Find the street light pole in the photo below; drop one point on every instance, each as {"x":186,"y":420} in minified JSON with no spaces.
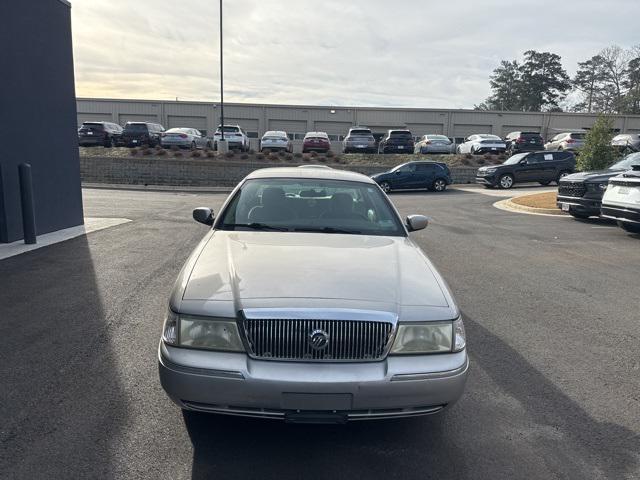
{"x":221,"y":81}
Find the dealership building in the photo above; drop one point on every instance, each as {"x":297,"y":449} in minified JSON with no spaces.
{"x":296,"y":120}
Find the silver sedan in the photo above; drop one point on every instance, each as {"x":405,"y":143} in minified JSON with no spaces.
{"x":308,"y":301}
{"x":184,"y":138}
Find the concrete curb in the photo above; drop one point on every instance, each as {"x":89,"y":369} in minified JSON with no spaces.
{"x":510,"y":206}
{"x":157,"y":188}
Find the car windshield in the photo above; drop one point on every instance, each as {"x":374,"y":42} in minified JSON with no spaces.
{"x":515,"y":159}
{"x":136,"y":127}
{"x":311,"y":205}
{"x":360,"y":132}
{"x":627,"y":162}
{"x":400,"y":133}
{"x":437,"y":137}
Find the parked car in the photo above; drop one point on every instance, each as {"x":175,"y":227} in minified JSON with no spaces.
{"x":106,"y":134}
{"x":184,"y":138}
{"x":621,"y":200}
{"x":627,"y":141}
{"x":359,"y":140}
{"x":570,"y":141}
{"x":235,"y":136}
{"x":307,"y":301}
{"x":541,"y":167}
{"x":316,"y":142}
{"x":518,"y":142}
{"x":142,"y":133}
{"x":433,"y":144}
{"x":396,"y":141}
{"x":580,"y":194}
{"x":433,"y":176}
{"x":276,"y":140}
{"x":482,"y":143}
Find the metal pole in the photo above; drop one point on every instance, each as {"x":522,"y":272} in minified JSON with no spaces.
{"x":26,"y":199}
{"x":221,"y":81}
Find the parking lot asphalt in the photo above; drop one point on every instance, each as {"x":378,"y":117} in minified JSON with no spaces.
{"x":551,"y":308}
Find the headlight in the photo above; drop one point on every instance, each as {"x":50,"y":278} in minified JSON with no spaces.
{"x":596,"y":187}
{"x":209,"y":333}
{"x":431,"y":337}
{"x":490,"y":170}
{"x":603,"y":186}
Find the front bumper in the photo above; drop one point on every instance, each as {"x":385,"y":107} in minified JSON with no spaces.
{"x":398,"y":149}
{"x":90,"y":141}
{"x":234,"y":384}
{"x":491,"y":180}
{"x":581,"y":205}
{"x":623,"y":214}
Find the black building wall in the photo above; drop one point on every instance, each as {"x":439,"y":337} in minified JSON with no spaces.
{"x":38,"y":115}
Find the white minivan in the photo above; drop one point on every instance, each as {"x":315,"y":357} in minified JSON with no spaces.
{"x":621,"y":200}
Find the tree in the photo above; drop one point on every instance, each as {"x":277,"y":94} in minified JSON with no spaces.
{"x":632,"y":84}
{"x":589,"y":80}
{"x":597,"y":153}
{"x":543,"y":81}
{"x":506,"y":86}
{"x":615,"y":62}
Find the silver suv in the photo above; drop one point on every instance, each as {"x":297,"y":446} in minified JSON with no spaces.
{"x":569,"y":141}
{"x":359,"y":140}
{"x":308,"y":301}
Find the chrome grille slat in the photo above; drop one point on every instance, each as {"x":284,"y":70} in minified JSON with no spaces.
{"x":289,"y":339}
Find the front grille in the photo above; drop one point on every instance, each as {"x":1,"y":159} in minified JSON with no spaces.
{"x":572,"y":189}
{"x":317,"y":340}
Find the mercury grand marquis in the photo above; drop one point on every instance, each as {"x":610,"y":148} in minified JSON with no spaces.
{"x":308,"y":301}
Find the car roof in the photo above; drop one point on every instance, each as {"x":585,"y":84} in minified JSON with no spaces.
{"x":319,"y":173}
{"x":316,"y":134}
{"x":275,"y":132}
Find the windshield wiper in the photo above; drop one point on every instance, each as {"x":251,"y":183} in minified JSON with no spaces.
{"x":327,"y":230}
{"x":257,"y":226}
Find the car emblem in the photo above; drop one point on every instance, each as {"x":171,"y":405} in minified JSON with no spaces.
{"x":318,"y":340}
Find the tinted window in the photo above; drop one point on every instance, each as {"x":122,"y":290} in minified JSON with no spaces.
{"x":425,"y":167}
{"x":400,"y":133}
{"x":136,"y":127}
{"x":577,"y":136}
{"x":360,"y":132}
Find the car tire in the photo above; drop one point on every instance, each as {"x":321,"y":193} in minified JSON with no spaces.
{"x":193,"y":146}
{"x":439,"y":185}
{"x":109,"y":143}
{"x":490,"y":187}
{"x":386,"y":187}
{"x":506,"y":181}
{"x":209,"y":145}
{"x":629,"y":227}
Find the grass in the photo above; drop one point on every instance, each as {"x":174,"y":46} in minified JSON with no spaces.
{"x":538,"y":200}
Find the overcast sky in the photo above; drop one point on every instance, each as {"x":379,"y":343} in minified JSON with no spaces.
{"x":415,"y":53}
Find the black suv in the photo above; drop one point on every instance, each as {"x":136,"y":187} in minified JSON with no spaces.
{"x":541,"y":167}
{"x":518,"y":142}
{"x":581,"y":194}
{"x":106,"y":134}
{"x":142,"y":133}
{"x":396,"y":141}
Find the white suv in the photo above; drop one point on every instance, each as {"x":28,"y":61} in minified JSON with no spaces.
{"x":621,"y":200}
{"x":235,"y":136}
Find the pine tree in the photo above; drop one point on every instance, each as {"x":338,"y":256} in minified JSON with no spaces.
{"x":597,"y":153}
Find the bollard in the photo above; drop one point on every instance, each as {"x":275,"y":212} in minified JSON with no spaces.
{"x":26,"y":199}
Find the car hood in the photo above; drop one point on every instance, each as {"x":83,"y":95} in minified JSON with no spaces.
{"x":593,"y":176}
{"x":241,"y":267}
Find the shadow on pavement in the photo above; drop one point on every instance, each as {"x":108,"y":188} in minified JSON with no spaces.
{"x":60,"y":396}
{"x":579,"y":443}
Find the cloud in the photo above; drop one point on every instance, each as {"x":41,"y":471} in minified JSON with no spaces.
{"x":363,"y":52}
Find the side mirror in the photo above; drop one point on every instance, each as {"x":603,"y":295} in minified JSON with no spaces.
{"x":524,"y":161}
{"x":417,"y":222}
{"x":203,"y":215}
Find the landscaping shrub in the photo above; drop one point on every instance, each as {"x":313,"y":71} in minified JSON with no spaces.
{"x":147,"y":151}
{"x":466,"y":161}
{"x":177,"y":153}
{"x":162,"y":152}
{"x":468,"y":155}
{"x":322,"y":159}
{"x":314,"y":154}
{"x":330,"y":154}
{"x":196,"y":153}
{"x":281,"y":153}
{"x":133,"y":152}
{"x":230,"y":154}
{"x":306,"y":157}
{"x":273,"y":157}
{"x":297,"y":155}
{"x":481,"y":161}
{"x":597,"y":153}
{"x":260,"y":156}
{"x":211,"y":153}
{"x":175,"y":148}
{"x":487,"y":156}
{"x":244,"y":156}
{"x":289,"y":157}
{"x":252,"y":151}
